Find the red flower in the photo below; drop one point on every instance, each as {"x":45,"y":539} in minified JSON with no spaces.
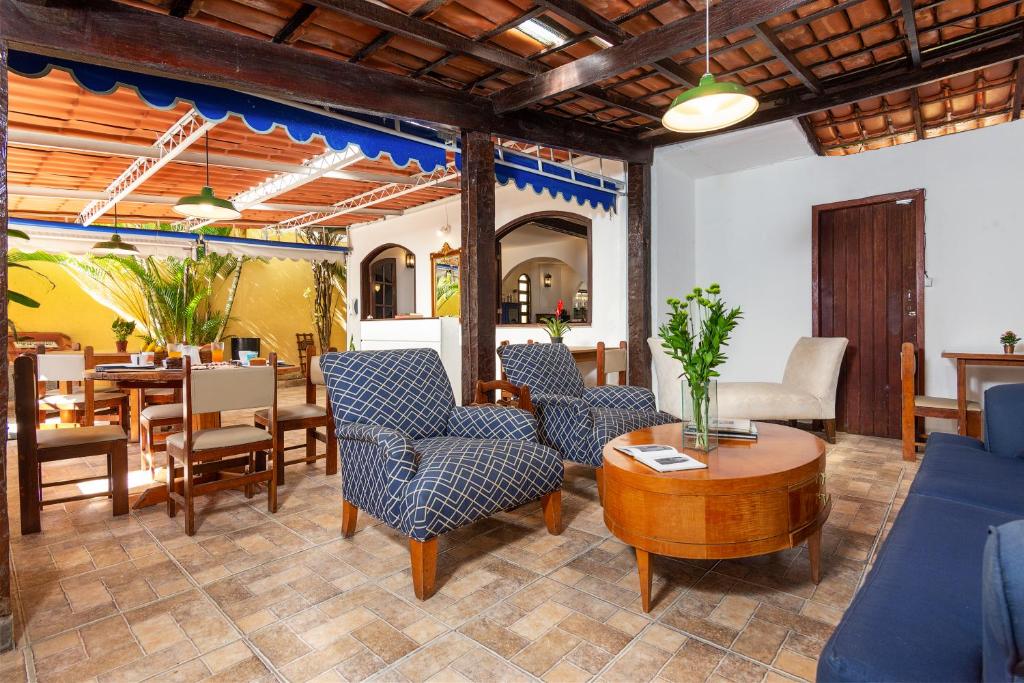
{"x":559,"y":309}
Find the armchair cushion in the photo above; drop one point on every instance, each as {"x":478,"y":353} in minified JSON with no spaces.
{"x":378,"y":462}
{"x":612,"y":422}
{"x":545,"y":368}
{"x":492,"y":422}
{"x":768,"y":401}
{"x":616,"y":396}
{"x":405,"y":389}
{"x":462,"y":480}
{"x":1004,"y":419}
{"x":1002,"y":603}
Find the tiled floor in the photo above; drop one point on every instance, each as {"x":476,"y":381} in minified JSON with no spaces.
{"x":255,"y":596}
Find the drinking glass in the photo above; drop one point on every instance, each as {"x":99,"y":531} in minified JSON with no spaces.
{"x":217,"y":352}
{"x":174,"y":350}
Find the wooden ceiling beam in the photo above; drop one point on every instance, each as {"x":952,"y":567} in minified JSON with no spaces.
{"x":910,"y":28}
{"x":846,"y":91}
{"x":424,"y":10}
{"x":581,"y":15}
{"x":1018,"y":91}
{"x":915,"y":105}
{"x":294,"y":23}
{"x":728,"y":17}
{"x":792,"y":63}
{"x":113,"y":34}
{"x":487,"y":35}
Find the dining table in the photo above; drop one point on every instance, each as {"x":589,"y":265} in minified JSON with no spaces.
{"x":963,"y":360}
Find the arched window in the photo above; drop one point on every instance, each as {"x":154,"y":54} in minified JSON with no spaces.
{"x":523,"y":294}
{"x":388,"y":282}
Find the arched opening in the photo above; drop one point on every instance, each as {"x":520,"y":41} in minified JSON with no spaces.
{"x":552,"y":249}
{"x":388,"y":283}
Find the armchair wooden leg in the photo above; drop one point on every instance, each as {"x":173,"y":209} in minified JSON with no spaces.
{"x":830,"y":430}
{"x":599,"y":475}
{"x":552,"y":504}
{"x":349,"y":514}
{"x":423,"y":556}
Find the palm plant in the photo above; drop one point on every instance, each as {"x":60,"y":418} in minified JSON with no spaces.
{"x":327,"y":278}
{"x":12,"y":295}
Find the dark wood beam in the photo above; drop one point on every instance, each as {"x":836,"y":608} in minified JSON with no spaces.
{"x":792,"y":63}
{"x":1018,"y":91}
{"x":180,"y":8}
{"x":426,"y":9}
{"x":477,"y":265}
{"x":846,"y":90}
{"x":728,"y":17}
{"x":483,"y":37}
{"x":910,"y":28}
{"x":581,"y":15}
{"x":411,"y":27}
{"x":915,"y":105}
{"x":638,"y":272}
{"x":117,"y":35}
{"x":294,"y":23}
{"x":6,"y":613}
{"x":812,"y":137}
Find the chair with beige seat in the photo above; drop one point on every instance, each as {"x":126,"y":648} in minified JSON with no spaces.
{"x":915,"y":406}
{"x":67,"y":369}
{"x":309,"y":416}
{"x":207,"y":451}
{"x":38,"y":446}
{"x":807,"y":390}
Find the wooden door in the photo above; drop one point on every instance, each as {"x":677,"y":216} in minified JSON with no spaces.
{"x":868,"y":284}
{"x":382,"y":274}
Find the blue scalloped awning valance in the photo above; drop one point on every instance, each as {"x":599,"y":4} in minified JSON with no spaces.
{"x":402,"y":142}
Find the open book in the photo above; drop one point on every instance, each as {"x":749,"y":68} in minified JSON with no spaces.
{"x":662,"y":458}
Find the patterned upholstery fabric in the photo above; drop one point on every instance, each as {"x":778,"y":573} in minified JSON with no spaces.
{"x":414,"y":460}
{"x":577,"y":421}
{"x":462,"y":480}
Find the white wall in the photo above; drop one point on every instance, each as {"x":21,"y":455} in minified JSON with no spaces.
{"x":405,"y":282}
{"x":753,"y":235}
{"x":673,"y":231}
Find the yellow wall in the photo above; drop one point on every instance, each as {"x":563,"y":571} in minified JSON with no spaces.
{"x":271,"y":304}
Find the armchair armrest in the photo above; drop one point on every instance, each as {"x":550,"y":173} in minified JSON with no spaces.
{"x":378,"y":462}
{"x":492,"y":422}
{"x":620,"y":396}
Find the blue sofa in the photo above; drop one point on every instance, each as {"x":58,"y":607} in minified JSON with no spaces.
{"x":918,"y":616}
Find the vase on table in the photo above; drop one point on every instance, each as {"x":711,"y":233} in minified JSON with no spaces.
{"x":1009,"y":348}
{"x":700,"y":412}
{"x":556,"y":340}
{"x":121,"y":345}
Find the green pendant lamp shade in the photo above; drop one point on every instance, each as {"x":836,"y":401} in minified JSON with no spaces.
{"x":206,"y":205}
{"x":115,"y":246}
{"x":711,"y":105}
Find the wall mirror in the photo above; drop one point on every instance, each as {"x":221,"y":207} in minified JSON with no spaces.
{"x":444,"y":283}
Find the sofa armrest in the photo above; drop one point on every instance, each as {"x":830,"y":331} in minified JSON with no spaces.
{"x":378,"y":462}
{"x":492,"y":422}
{"x":620,"y":396}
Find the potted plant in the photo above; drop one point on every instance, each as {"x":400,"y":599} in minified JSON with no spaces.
{"x":122,"y":330}
{"x":555,"y":326}
{"x":1009,"y":340}
{"x":695,"y":333}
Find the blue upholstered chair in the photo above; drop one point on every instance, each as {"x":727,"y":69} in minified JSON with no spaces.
{"x":424,"y":466}
{"x":574,"y":419}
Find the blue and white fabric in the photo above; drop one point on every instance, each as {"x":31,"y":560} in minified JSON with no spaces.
{"x":415,"y":460}
{"x":576,"y":420}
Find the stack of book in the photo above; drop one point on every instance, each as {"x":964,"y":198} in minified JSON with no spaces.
{"x":729,"y":428}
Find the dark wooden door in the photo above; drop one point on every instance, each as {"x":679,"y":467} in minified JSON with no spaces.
{"x":382,"y":274}
{"x":868,"y":279}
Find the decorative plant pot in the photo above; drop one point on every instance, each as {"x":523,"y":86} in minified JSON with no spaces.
{"x":1008,"y":348}
{"x":122,"y":346}
{"x":556,"y":340}
{"x":700,"y":411}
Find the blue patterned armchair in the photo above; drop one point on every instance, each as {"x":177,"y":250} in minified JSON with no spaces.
{"x":574,"y":419}
{"x":424,"y":466}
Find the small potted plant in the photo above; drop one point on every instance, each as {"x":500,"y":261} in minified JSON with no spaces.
{"x":1009,"y":340}
{"x":556,"y":326}
{"x":122,"y":330}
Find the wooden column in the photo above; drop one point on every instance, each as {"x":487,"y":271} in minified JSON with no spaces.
{"x":6,"y":618}
{"x":478,"y":269}
{"x":638,"y":284}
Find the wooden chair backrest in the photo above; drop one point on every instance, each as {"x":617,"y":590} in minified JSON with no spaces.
{"x":611,"y":361}
{"x":307,"y":347}
{"x":26,"y":412}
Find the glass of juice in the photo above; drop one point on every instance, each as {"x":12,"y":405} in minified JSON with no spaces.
{"x":174,"y":350}
{"x":217,"y":352}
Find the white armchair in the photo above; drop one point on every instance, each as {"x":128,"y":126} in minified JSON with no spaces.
{"x":807,"y":390}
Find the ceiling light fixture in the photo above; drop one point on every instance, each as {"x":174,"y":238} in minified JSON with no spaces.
{"x":544,"y":32}
{"x":115,"y":246}
{"x":711,"y":105}
{"x":206,"y":204}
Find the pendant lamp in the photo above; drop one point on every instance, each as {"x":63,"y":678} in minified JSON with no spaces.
{"x":206,"y":204}
{"x":711,"y":105}
{"x":115,"y":246}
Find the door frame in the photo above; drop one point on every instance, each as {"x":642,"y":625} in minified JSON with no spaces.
{"x":917,"y":197}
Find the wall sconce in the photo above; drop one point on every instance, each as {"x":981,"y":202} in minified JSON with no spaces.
{"x":376,"y":286}
{"x":547,"y":279}
{"x":410,"y":259}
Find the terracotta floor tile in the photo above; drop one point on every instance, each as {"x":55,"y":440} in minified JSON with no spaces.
{"x":545,"y":651}
{"x":694,"y":661}
{"x":641,"y":662}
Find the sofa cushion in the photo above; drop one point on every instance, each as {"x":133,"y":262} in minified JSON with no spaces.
{"x":1002,"y":603}
{"x":1004,"y":419}
{"x":918,"y":615}
{"x":766,"y":401}
{"x":945,"y":438}
{"x":973,"y":476}
{"x":545,"y":368}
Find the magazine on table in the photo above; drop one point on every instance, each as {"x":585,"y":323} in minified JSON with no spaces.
{"x":662,"y":458}
{"x":729,"y":428}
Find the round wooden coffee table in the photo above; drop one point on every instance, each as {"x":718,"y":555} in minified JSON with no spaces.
{"x":755,"y":497}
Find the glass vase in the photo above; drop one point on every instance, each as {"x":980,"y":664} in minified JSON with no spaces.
{"x":700,"y":413}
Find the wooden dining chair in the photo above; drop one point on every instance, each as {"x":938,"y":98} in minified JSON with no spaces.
{"x":309,"y":416}
{"x":206,"y":451}
{"x":67,"y":370}
{"x":37,"y":446}
{"x":611,"y":361}
{"x":156,"y":423}
{"x":916,"y":407}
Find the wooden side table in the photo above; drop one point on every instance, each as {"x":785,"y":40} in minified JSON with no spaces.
{"x":755,"y":497}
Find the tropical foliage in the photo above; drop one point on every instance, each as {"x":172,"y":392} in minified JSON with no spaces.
{"x":555,"y":326}
{"x":12,"y":295}
{"x":122,"y":328}
{"x":328,"y":278}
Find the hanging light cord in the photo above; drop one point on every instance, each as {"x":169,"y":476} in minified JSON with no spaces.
{"x":206,"y":137}
{"x":707,"y":37}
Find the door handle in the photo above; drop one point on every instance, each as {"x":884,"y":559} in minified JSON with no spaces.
{"x":911,"y":314}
